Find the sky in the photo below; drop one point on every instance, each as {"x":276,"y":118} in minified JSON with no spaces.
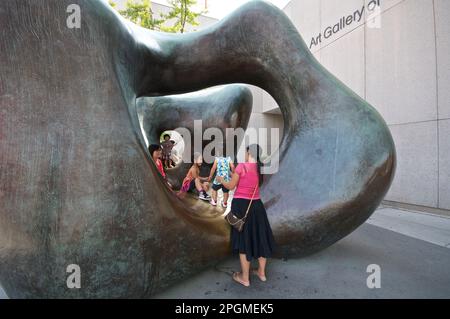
{"x":220,"y":8}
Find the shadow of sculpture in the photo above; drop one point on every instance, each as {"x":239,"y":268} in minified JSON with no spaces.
{"x":77,"y":185}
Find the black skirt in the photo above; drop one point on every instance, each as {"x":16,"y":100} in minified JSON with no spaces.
{"x":256,"y":239}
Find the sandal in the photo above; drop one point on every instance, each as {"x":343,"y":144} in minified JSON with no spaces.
{"x":239,"y":280}
{"x":255,"y":272}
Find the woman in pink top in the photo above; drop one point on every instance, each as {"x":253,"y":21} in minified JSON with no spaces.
{"x":256,"y":239}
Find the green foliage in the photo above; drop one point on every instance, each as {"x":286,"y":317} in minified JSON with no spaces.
{"x":183,"y":15}
{"x":140,"y":12}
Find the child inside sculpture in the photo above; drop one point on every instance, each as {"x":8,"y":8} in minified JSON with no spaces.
{"x":167,"y":146}
{"x":155,"y":152}
{"x":256,"y":240}
{"x":223,"y":167}
{"x":193,"y":180}
{"x":174,"y":157}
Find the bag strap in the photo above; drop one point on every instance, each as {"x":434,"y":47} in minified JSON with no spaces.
{"x":250,"y":204}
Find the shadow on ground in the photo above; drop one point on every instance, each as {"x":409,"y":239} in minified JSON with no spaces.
{"x":410,"y":268}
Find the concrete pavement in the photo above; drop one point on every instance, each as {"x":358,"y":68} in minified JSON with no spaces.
{"x":2,"y":293}
{"x":410,"y":247}
{"x":410,"y":268}
{"x":432,"y":228}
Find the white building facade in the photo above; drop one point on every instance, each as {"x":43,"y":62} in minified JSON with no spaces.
{"x":396,"y":55}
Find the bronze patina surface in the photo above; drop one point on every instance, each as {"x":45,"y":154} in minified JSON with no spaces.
{"x":77,"y":185}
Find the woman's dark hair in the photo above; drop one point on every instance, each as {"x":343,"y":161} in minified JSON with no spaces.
{"x":153,"y":148}
{"x":255,"y":151}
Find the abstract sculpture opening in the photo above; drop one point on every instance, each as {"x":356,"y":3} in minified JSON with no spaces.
{"x":77,"y":185}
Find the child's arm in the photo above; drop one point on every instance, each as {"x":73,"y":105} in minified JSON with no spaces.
{"x":232,"y":167}
{"x":232,"y":183}
{"x":202,"y":179}
{"x":213,"y":169}
{"x":196,"y":174}
{"x":193,"y":172}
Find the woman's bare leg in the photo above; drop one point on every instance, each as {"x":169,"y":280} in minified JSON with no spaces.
{"x":262,"y":266}
{"x":245,"y":266}
{"x":214,"y":195}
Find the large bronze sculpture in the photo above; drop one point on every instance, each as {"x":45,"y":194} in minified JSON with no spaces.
{"x":77,"y":185}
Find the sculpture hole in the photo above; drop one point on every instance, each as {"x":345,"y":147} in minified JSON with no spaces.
{"x":178,"y":145}
{"x":247,"y":109}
